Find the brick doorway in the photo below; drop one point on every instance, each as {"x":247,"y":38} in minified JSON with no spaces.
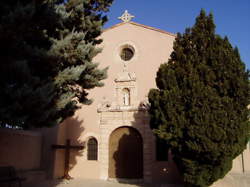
{"x":125,"y":154}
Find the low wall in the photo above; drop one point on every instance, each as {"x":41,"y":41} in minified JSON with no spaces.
{"x":21,"y":149}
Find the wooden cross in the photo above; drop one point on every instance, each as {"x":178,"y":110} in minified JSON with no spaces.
{"x":67,"y":148}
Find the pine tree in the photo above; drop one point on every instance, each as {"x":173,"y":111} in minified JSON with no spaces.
{"x":46,"y":51}
{"x":200,"y":106}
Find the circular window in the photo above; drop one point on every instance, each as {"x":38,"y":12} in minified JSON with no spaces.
{"x":127,"y":53}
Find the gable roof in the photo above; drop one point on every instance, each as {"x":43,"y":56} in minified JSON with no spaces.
{"x":140,"y":25}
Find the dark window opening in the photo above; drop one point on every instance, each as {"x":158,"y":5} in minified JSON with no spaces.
{"x":92,"y":149}
{"x":127,"y":54}
{"x":162,"y":149}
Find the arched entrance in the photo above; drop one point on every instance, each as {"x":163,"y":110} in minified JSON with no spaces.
{"x":125,"y":154}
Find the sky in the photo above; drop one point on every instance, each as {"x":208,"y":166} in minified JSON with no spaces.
{"x":232,"y":17}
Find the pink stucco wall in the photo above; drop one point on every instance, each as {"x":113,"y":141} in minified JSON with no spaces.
{"x":21,"y":149}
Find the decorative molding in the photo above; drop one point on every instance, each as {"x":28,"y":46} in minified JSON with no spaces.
{"x":126,"y":76}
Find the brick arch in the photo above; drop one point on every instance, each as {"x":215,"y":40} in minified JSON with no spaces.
{"x":125,"y":153}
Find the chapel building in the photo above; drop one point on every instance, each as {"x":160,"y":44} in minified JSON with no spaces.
{"x":118,"y":142}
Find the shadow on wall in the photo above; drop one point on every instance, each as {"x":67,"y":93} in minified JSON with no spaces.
{"x":32,"y":155}
{"x":126,"y":146}
{"x":73,"y":131}
{"x":53,"y":159}
{"x":76,"y":127}
{"x":163,"y":169}
{"x":126,"y":150}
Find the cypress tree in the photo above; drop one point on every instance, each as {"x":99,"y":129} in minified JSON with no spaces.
{"x":46,"y":51}
{"x":200,"y":106}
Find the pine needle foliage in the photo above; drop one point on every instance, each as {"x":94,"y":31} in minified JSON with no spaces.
{"x":200,"y":106}
{"x":46,"y":52}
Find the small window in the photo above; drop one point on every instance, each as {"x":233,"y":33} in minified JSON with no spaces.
{"x":126,"y":97}
{"x":162,"y":149}
{"x":92,"y":149}
{"x":127,"y":53}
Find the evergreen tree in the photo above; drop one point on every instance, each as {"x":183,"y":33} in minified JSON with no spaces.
{"x":46,"y":51}
{"x":200,"y":106}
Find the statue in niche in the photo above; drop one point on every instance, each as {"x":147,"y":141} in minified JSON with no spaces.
{"x":126,"y":97}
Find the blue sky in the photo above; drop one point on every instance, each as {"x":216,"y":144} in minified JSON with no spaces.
{"x":232,"y":17}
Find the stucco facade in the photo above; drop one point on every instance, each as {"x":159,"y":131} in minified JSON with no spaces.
{"x":122,"y":103}
{"x":151,"y":47}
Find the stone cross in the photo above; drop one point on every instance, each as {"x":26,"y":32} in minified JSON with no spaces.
{"x":67,"y":148}
{"x":126,"y":17}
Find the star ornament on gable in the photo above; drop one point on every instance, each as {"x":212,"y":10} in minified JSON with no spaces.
{"x":126,"y":17}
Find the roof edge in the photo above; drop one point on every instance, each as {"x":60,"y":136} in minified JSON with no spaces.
{"x":141,"y":25}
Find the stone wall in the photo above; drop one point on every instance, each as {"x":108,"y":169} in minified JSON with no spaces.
{"x":21,"y":149}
